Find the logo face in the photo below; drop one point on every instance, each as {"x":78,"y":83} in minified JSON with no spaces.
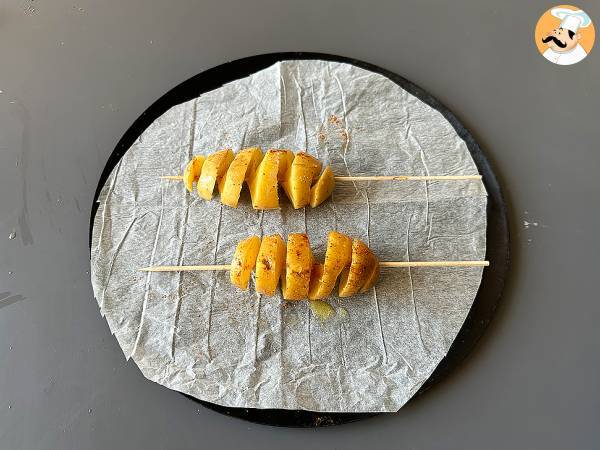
{"x":565,"y":35}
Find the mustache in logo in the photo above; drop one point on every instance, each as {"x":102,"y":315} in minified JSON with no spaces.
{"x":556,"y":41}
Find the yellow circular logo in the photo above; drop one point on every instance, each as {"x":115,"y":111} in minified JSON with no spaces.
{"x":565,"y":35}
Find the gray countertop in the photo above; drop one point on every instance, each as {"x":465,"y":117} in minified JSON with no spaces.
{"x":74,"y":77}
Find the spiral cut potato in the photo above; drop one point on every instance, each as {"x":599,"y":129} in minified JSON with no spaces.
{"x":301,"y":277}
{"x":299,"y":175}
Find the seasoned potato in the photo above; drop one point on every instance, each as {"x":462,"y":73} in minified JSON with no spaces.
{"x":371,"y":279}
{"x":361,"y":268}
{"x":304,"y":171}
{"x":192,"y":171}
{"x":241,"y":169}
{"x":337,"y":257}
{"x":244,"y":260}
{"x":270,"y":264}
{"x":213,"y":169}
{"x":315,"y":280}
{"x":263,"y":184}
{"x":298,"y":264}
{"x":322,"y":188}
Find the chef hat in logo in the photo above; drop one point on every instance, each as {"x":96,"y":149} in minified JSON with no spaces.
{"x":571,"y":20}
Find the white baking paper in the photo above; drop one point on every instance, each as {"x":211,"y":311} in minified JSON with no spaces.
{"x":195,"y":333}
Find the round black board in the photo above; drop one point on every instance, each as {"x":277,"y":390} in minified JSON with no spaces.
{"x":497,"y":251}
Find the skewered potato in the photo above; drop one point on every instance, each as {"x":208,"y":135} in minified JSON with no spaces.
{"x":304,"y":171}
{"x":315,"y":279}
{"x":299,"y":260}
{"x":270,"y":263}
{"x":371,"y":279}
{"x":192,"y":171}
{"x":263,"y":184}
{"x":358,"y":266}
{"x":323,"y":188}
{"x":298,"y":175}
{"x":244,"y":261}
{"x":337,"y":256}
{"x":302,"y":277}
{"x":213,"y":169}
{"x":241,"y":169}
{"x":361,"y":269}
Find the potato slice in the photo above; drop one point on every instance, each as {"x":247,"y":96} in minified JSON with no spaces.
{"x":244,"y":260}
{"x":213,"y":169}
{"x":243,"y":167}
{"x":337,"y":257}
{"x":298,"y":264}
{"x":315,"y":278}
{"x":361,"y":268}
{"x":270,"y":264}
{"x":286,"y":158}
{"x":192,"y":171}
{"x":371,"y":279}
{"x":304,"y":171}
{"x":323,"y":188}
{"x":263,"y":184}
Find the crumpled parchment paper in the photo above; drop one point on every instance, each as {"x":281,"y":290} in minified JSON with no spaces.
{"x":195,"y":333}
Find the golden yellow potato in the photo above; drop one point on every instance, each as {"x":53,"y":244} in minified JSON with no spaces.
{"x":263,"y":184}
{"x":337,"y":257}
{"x":244,"y":260}
{"x":192,"y":171}
{"x":213,"y":169}
{"x":286,"y":158}
{"x":361,"y":268}
{"x":322,"y":188}
{"x":304,"y":170}
{"x":315,"y":278}
{"x":270,"y":264}
{"x":372,"y":278}
{"x":298,"y":264}
{"x":242,"y":168}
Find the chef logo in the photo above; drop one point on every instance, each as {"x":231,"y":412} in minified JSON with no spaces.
{"x":564,"y":35}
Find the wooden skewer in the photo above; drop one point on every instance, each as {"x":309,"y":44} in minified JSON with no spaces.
{"x":184,"y":268}
{"x":410,"y":178}
{"x":390,"y":264}
{"x":380,"y":178}
{"x":434,"y":263}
